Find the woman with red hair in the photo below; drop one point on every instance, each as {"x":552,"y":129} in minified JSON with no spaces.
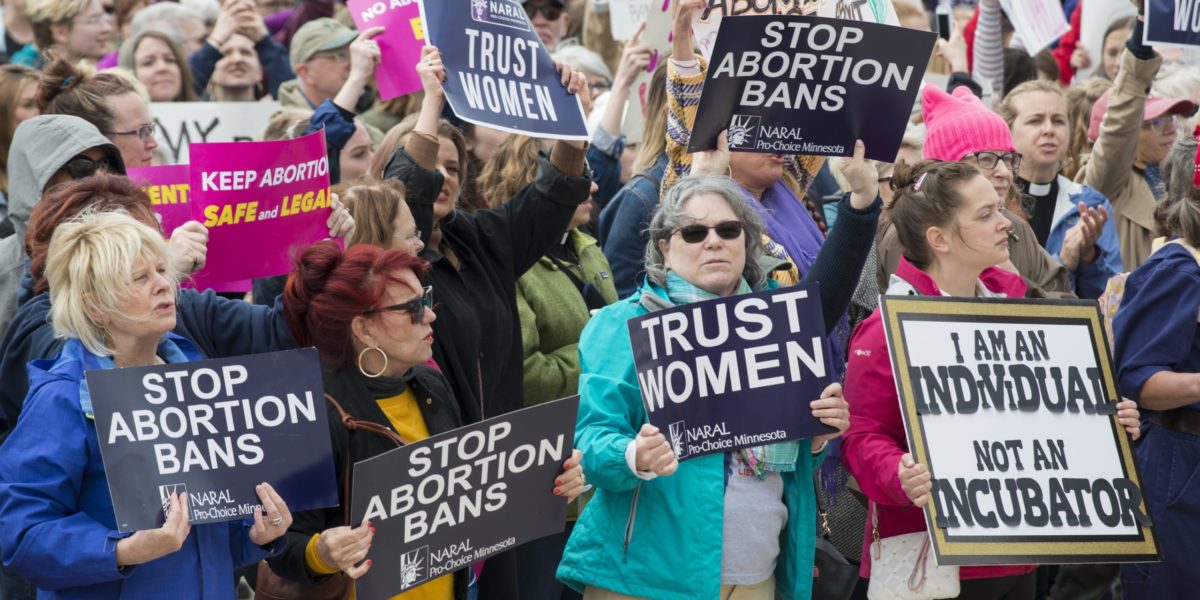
{"x":369,"y":315}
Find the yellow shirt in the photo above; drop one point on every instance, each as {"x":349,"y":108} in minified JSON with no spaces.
{"x":405,"y":417}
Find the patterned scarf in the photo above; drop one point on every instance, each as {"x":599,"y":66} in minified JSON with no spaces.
{"x":1154,"y":179}
{"x":759,"y":460}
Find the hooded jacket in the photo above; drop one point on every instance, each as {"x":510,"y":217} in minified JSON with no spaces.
{"x":872,"y":447}
{"x":40,"y":147}
{"x":1089,"y":279}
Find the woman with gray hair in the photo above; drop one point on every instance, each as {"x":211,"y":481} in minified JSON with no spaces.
{"x":741,"y":522}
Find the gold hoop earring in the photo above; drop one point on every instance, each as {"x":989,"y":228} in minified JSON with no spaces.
{"x":381,"y":370}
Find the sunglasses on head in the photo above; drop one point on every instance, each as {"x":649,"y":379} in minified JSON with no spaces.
{"x":696,"y":233}
{"x":550,"y":11}
{"x":82,"y":167}
{"x":415,"y":307}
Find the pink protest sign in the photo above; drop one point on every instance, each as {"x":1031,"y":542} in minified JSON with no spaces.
{"x":169,"y":191}
{"x":167,"y":186}
{"x":261,"y":201}
{"x":399,"y":45}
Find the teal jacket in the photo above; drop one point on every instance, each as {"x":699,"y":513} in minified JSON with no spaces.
{"x":553,"y":313}
{"x":661,"y":538}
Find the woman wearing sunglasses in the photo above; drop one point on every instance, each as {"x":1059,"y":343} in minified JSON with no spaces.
{"x":369,"y":315}
{"x":738,"y":524}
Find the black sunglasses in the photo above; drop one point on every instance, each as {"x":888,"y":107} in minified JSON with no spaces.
{"x":415,"y":307}
{"x":82,"y":167}
{"x":696,"y":233}
{"x":550,"y":11}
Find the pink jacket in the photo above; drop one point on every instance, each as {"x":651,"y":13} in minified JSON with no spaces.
{"x":872,"y":447}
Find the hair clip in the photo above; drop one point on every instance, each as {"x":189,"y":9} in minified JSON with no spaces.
{"x":66,"y":82}
{"x":920,"y":180}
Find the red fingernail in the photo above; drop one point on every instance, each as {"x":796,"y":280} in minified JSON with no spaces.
{"x":372,"y":531}
{"x":557,"y":492}
{"x":369,"y":563}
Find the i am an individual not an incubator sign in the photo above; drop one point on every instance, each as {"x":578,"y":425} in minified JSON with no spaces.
{"x":1012,"y":406}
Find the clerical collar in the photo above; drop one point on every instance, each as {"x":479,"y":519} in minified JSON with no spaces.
{"x":1039,"y":189}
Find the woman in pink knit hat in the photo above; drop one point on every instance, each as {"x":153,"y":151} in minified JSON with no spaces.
{"x":959,"y":128}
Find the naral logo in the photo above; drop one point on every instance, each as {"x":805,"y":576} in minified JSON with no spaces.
{"x":743,"y":131}
{"x":412,"y":567}
{"x":500,"y":12}
{"x":164,"y":495}
{"x":677,"y":431}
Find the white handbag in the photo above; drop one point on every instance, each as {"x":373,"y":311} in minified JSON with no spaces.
{"x":903,"y":568}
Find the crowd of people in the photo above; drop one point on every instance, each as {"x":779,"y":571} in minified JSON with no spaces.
{"x":471,"y":272}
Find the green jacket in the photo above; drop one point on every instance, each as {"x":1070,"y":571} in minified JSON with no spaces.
{"x":661,"y":538}
{"x":553,"y":314}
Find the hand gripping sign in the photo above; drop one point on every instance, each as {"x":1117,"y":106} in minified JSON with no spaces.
{"x":1011,"y":404}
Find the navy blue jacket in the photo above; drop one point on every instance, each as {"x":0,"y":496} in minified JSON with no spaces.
{"x":57,"y":526}
{"x":604,"y":158}
{"x":271,"y":55}
{"x":1155,"y":328}
{"x":624,"y":226}
{"x":219,"y":327}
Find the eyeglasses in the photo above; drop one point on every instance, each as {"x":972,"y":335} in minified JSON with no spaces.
{"x":696,"y":233}
{"x":82,"y":167}
{"x":99,"y":19}
{"x":550,"y":11}
{"x":989,"y":160}
{"x":1163,"y":125}
{"x":144,"y":132}
{"x":415,"y":307}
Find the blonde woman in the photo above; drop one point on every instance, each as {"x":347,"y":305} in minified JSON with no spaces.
{"x":113,"y":296}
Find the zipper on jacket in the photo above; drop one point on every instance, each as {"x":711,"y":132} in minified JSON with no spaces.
{"x":479,"y":382}
{"x":629,"y":524}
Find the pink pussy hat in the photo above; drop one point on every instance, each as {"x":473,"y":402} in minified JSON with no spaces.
{"x":959,"y":124}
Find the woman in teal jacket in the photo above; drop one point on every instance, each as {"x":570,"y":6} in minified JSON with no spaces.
{"x":659,"y":529}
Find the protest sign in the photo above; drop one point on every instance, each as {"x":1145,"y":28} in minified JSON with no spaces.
{"x":733,"y":372}
{"x":167,"y":186}
{"x":259,"y":201}
{"x":626,"y":14}
{"x":169,"y":190}
{"x":1038,"y":23}
{"x":214,"y":429}
{"x":657,"y":37}
{"x":1011,"y":404}
{"x":399,"y":45}
{"x":498,"y":73}
{"x":809,"y":85}
{"x":183,"y":123}
{"x":444,"y":502}
{"x":709,"y":20}
{"x":1094,"y":20}
{"x":1172,"y":23}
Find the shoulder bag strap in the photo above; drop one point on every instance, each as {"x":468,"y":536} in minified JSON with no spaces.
{"x":352,"y":424}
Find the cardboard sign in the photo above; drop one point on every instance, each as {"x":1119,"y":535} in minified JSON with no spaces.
{"x":1038,"y":23}
{"x":1172,"y":23}
{"x":399,"y":45}
{"x":1012,"y":406}
{"x":733,"y":372}
{"x":498,"y":73}
{"x":214,"y":429}
{"x":440,"y":504}
{"x":708,"y":22}
{"x":181,"y":124}
{"x":657,"y":37}
{"x":809,"y":85}
{"x":168,"y":188}
{"x":625,"y":16}
{"x":260,"y":201}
